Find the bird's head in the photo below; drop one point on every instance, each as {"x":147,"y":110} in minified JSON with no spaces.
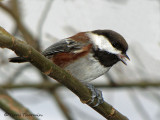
{"x":111,"y":42}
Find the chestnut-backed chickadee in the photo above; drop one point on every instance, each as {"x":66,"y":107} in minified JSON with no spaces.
{"x":87,"y":55}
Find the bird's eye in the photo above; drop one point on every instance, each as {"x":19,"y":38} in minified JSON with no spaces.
{"x":116,"y":45}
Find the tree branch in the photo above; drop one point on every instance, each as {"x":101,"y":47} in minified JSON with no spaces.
{"x":51,"y":85}
{"x":43,"y":18}
{"x":62,"y":76}
{"x":13,"y":108}
{"x":26,"y":34}
{"x":61,"y":105}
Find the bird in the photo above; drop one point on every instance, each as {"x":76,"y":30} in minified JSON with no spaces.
{"x":87,"y":56}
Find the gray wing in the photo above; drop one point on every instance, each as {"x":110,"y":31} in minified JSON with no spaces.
{"x":65,"y":45}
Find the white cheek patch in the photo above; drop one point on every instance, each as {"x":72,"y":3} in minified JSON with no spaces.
{"x":103,"y":43}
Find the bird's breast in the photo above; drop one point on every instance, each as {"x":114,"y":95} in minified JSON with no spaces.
{"x":86,"y":68}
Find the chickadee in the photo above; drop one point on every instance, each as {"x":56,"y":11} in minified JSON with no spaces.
{"x":87,"y":55}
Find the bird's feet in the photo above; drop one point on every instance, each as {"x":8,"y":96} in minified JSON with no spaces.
{"x":95,"y":94}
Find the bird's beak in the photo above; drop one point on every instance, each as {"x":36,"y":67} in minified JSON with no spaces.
{"x":123,"y":57}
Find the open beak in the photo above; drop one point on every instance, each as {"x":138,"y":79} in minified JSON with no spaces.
{"x":123,"y":58}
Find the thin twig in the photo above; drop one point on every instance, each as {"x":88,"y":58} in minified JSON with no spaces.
{"x":18,"y":72}
{"x":48,"y":85}
{"x":63,"y":108}
{"x":43,"y":18}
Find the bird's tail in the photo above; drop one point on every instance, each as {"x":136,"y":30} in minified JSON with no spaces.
{"x":18,"y":59}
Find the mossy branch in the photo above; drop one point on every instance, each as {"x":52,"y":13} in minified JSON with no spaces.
{"x":55,"y":72}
